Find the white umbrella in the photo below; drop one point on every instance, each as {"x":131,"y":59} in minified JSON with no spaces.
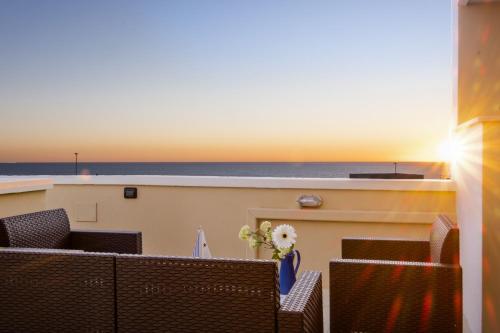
{"x":201,"y":249}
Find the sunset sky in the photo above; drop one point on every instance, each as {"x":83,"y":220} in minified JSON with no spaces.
{"x":247,"y":80}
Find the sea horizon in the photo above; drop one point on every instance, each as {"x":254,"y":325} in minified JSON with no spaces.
{"x":430,"y":170}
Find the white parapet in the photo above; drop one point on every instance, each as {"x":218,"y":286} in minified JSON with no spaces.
{"x":10,"y":185}
{"x":440,"y":185}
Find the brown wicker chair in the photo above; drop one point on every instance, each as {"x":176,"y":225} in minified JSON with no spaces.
{"x":46,"y":291}
{"x":385,"y":285}
{"x":50,"y":230}
{"x":173,"y":294}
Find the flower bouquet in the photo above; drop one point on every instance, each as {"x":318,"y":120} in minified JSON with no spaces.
{"x":281,"y":241}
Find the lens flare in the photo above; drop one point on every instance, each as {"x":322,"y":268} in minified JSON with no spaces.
{"x":450,"y":150}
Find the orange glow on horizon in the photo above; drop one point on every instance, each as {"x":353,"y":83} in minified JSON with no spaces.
{"x":222,"y":150}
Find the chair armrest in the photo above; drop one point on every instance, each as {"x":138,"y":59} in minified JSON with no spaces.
{"x":385,"y":249}
{"x":379,"y":296}
{"x":127,"y":242}
{"x":302,"y":310}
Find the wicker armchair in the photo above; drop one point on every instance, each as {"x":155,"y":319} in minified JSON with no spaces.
{"x":46,"y":291}
{"x":50,"y":230}
{"x":398,"y":285}
{"x":172,"y":294}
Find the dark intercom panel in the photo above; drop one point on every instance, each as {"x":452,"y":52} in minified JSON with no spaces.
{"x":130,"y":192}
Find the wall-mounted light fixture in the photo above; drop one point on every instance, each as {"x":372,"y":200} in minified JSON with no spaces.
{"x":309,"y":201}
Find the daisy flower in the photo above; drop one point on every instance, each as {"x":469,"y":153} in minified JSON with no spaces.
{"x":284,"y":236}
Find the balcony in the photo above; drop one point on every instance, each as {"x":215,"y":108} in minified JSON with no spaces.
{"x":169,"y":209}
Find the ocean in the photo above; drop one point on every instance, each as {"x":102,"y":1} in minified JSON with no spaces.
{"x":299,"y":170}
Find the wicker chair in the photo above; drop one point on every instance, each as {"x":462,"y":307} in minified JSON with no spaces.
{"x":45,"y":291}
{"x":385,"y":285}
{"x":50,"y":230}
{"x":172,"y":294}
{"x":48,"y":280}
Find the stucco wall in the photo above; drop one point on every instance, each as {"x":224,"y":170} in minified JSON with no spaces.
{"x":478,"y":61}
{"x":468,"y":173}
{"x":478,"y":114}
{"x":491,"y":227}
{"x":21,"y":203}
{"x":168,"y":216}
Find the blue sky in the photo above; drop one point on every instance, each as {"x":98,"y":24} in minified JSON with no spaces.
{"x":224,"y":80}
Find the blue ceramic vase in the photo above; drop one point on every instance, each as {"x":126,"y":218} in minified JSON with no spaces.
{"x":288,"y":273}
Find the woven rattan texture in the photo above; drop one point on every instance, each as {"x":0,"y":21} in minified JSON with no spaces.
{"x":171,"y":294}
{"x":444,"y":241}
{"x":385,"y":249}
{"x":302,"y":310}
{"x":107,"y":241}
{"x":385,"y":296}
{"x":45,"y":229}
{"x":56,"y":292}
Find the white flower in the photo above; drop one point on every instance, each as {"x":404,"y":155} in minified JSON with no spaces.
{"x":244,"y":232}
{"x":284,"y":236}
{"x":265,"y":226}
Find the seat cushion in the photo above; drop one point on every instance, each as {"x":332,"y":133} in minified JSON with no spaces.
{"x":444,"y":241}
{"x":46,"y":229}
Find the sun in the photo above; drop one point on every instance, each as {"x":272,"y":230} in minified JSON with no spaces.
{"x":450,"y":150}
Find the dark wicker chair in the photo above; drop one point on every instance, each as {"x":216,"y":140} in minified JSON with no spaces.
{"x":46,"y":291}
{"x":386,"y":285}
{"x":172,"y":294}
{"x":50,"y":230}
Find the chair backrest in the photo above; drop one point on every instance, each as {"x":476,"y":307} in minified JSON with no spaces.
{"x":46,"y":229}
{"x":56,"y":291}
{"x":444,"y":241}
{"x":174,"y":294}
